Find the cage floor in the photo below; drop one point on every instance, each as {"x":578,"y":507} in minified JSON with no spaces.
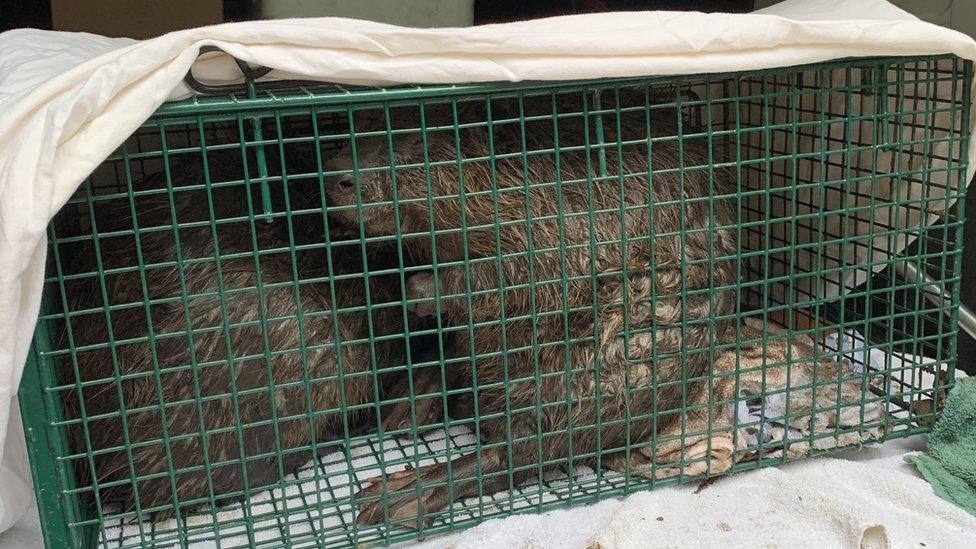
{"x":313,"y":508}
{"x":304,"y":514}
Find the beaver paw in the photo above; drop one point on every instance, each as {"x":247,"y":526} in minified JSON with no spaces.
{"x":427,"y":409}
{"x":399,"y":501}
{"x":693,"y":457}
{"x":700,"y":456}
{"x":421,"y":287}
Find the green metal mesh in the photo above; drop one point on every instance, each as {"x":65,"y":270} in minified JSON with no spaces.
{"x":843,"y":174}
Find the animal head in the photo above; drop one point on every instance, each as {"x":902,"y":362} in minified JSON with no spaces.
{"x":375,"y":190}
{"x":361,"y":194}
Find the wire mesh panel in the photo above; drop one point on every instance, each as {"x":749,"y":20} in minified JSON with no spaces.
{"x":331,"y":317}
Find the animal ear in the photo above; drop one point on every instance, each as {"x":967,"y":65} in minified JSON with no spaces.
{"x":407,"y":144}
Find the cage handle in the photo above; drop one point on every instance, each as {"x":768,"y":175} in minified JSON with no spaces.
{"x":250,"y":75}
{"x":937,"y":295}
{"x":250,"y":86}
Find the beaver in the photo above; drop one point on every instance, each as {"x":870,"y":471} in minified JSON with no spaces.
{"x":211,"y":357}
{"x":585,"y":306}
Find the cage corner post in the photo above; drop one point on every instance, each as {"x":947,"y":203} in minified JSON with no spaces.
{"x":46,"y":441}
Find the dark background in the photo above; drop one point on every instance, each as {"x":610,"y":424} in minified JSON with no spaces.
{"x":15,"y":14}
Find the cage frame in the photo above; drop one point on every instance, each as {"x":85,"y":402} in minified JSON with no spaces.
{"x":46,"y":444}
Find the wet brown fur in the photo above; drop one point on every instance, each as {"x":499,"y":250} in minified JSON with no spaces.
{"x":546,"y":406}
{"x":224,"y":332}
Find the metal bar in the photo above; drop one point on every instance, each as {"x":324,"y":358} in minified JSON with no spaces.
{"x":937,"y":295}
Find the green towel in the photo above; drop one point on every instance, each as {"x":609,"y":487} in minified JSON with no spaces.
{"x":950,"y":465}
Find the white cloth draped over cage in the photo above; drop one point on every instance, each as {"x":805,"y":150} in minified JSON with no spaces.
{"x":69,"y":100}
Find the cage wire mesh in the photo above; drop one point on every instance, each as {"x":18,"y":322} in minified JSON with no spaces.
{"x":507,"y":297}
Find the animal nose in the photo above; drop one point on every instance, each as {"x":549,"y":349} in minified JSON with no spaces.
{"x":347,"y":183}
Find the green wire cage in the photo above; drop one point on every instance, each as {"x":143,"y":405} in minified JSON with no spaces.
{"x":506,"y":297}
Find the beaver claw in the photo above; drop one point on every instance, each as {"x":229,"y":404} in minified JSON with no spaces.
{"x":399,"y":501}
{"x":414,"y":497}
{"x":397,"y":416}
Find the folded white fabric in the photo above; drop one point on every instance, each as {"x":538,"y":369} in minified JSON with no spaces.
{"x":68,"y":100}
{"x":816,"y":503}
{"x":869,"y":499}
